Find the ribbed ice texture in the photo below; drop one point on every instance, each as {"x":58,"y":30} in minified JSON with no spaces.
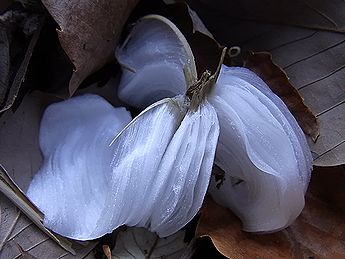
{"x":154,"y":174}
{"x":188,"y":161}
{"x":156,"y":58}
{"x":262,"y":150}
{"x":71,"y":184}
{"x":291,"y":128}
{"x":260,"y":144}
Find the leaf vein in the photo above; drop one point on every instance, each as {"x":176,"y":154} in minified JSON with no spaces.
{"x":331,"y":149}
{"x":322,"y":78}
{"x":314,"y":54}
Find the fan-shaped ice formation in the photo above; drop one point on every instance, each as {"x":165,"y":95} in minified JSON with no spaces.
{"x":154,"y":174}
{"x":261,"y":148}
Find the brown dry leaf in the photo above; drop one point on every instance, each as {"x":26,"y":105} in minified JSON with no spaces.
{"x":261,"y":63}
{"x":319,"y":232}
{"x":313,"y":60}
{"x":20,"y":238}
{"x":140,"y":243}
{"x":89,"y":32}
{"x":107,"y":251}
{"x":316,"y":14}
{"x":24,"y":254}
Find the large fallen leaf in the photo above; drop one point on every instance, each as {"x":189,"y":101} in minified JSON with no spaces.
{"x":140,"y":243}
{"x":89,"y":32}
{"x":317,"y":233}
{"x":316,"y":14}
{"x":20,"y":238}
{"x":314,"y":61}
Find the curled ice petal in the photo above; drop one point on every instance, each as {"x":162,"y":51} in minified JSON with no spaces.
{"x":282,"y":114}
{"x":100,"y":173}
{"x":153,"y":57}
{"x":188,"y":161}
{"x":71,"y":184}
{"x":267,"y":167}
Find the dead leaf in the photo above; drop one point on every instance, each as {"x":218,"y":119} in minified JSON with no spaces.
{"x":141,"y":243}
{"x":107,"y":251}
{"x":19,"y":148}
{"x":198,"y":25}
{"x":319,"y":232}
{"x":314,"y":61}
{"x":261,"y":63}
{"x":316,"y":14}
{"x":25,"y":254}
{"x":89,"y":32}
{"x":15,"y":53}
{"x":20,"y":238}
